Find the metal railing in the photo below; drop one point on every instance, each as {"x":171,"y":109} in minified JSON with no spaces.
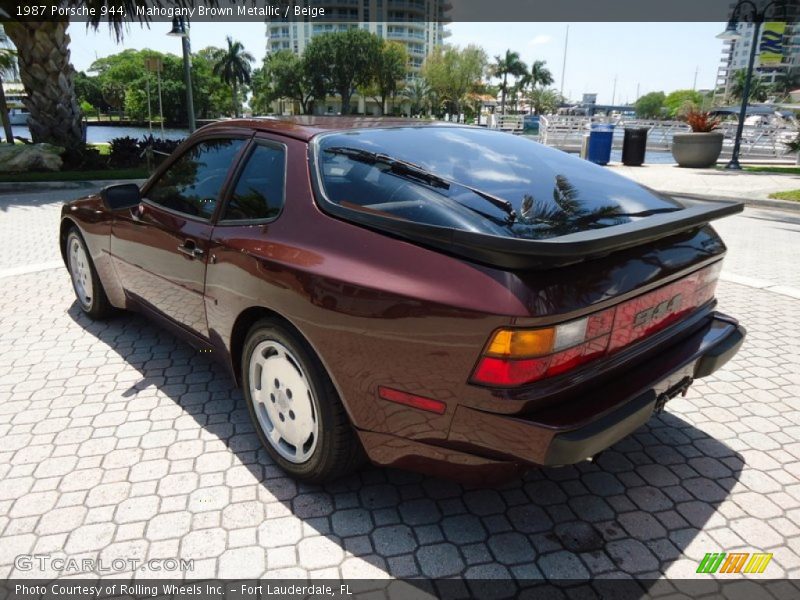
{"x":566,"y":133}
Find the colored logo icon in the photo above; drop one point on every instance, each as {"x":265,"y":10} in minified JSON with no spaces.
{"x":734,"y":562}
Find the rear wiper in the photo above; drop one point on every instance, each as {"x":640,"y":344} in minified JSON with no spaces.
{"x":395,"y":165}
{"x":408,"y":169}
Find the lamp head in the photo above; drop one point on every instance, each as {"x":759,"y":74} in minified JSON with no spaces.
{"x":178,"y":29}
{"x":731,"y":31}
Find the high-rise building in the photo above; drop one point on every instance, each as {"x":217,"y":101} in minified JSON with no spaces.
{"x":736,"y":54}
{"x":417,"y":24}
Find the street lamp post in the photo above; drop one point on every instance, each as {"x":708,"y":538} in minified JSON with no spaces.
{"x":732,"y":33}
{"x":180,"y":30}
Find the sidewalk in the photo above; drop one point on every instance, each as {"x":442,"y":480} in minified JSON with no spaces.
{"x":741,"y":185}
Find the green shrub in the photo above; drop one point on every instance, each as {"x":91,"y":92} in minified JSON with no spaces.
{"x":125,"y":152}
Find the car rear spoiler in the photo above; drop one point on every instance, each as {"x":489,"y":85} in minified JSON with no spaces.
{"x":515,"y":253}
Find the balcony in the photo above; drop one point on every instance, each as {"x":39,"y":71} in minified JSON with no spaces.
{"x":414,"y":6}
{"x":405,"y":35}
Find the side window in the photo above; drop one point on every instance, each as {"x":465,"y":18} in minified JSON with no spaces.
{"x":192,"y":183}
{"x":259,"y":190}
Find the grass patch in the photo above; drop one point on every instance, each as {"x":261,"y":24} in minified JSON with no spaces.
{"x":38,"y":176}
{"x":103,"y":147}
{"x":793,"y":195}
{"x":779,"y":170}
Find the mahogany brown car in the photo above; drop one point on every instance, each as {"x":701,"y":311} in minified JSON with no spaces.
{"x":441,"y":298}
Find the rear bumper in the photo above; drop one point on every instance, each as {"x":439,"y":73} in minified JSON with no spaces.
{"x":577,"y":445}
{"x":564,"y":434}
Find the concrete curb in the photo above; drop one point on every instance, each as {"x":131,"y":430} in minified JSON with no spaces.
{"x":38,"y":186}
{"x":786,"y":205}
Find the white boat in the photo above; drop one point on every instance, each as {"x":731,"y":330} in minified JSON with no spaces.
{"x":15,"y":94}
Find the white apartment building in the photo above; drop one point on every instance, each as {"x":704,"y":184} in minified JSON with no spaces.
{"x":417,"y":24}
{"x":736,"y":53}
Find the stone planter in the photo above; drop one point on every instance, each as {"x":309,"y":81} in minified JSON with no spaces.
{"x":697,"y":150}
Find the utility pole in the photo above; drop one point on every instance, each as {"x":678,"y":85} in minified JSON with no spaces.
{"x":149,"y":111}
{"x":696,"y":70}
{"x":614,"y":91}
{"x":564,"y":63}
{"x":160,"y":103}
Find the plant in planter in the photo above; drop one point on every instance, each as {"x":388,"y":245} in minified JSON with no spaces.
{"x":700,"y":148}
{"x":793,"y":146}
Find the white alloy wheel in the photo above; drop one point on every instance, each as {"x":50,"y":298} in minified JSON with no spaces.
{"x":80,"y":271}
{"x":283,"y":401}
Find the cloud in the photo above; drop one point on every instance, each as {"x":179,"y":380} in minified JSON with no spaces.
{"x":540,"y":40}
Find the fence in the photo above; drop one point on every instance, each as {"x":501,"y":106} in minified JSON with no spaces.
{"x":566,"y":133}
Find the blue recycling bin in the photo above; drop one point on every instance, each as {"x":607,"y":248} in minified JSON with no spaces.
{"x":601,"y":137}
{"x":530,"y":125}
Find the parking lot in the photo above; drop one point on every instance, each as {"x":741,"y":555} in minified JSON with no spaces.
{"x":117,"y":440}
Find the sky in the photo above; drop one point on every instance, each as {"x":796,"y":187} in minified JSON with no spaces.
{"x":644,"y":56}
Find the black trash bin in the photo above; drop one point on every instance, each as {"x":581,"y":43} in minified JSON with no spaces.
{"x":634,"y":145}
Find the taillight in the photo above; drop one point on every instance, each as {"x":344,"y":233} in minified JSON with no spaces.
{"x":515,"y":357}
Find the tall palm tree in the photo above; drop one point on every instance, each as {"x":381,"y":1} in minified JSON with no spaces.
{"x":47,"y":73}
{"x":48,"y":78}
{"x":504,"y":66}
{"x":8,"y":69}
{"x":233,"y":67}
{"x":540,"y":74}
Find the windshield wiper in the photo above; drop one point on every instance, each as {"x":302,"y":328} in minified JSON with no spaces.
{"x":415,"y":172}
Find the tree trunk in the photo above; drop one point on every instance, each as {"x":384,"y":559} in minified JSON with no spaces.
{"x":503,"y":94}
{"x":345,"y":101}
{"x":47,"y":76}
{"x":4,"y":115}
{"x":235,"y":99}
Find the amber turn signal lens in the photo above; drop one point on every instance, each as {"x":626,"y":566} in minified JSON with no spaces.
{"x":522,"y":343}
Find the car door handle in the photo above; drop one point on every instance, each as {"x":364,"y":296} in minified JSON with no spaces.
{"x":189,"y":249}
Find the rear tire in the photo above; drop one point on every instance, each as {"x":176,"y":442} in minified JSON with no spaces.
{"x":85,"y":282}
{"x":294,"y":407}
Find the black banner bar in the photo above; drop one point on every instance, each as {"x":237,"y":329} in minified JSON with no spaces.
{"x":396,"y":11}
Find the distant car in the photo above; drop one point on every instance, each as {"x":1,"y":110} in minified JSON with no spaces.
{"x":446,"y":299}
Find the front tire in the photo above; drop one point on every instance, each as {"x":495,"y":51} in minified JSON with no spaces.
{"x":294,"y":407}
{"x":88,"y":289}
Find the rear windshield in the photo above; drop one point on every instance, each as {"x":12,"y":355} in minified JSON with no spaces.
{"x":477,"y":180}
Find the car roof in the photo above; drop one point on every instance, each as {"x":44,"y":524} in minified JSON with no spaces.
{"x":307,"y":126}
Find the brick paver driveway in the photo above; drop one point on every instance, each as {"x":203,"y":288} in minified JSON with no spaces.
{"x":118,"y":440}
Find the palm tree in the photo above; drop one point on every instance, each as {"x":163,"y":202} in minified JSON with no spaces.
{"x":544,"y":100}
{"x":566,"y":214}
{"x":47,"y":73}
{"x":540,"y":75}
{"x":758,"y":89}
{"x":48,"y":78}
{"x":503,"y":66}
{"x":418,"y":94}
{"x":8,"y":69}
{"x":233,"y":68}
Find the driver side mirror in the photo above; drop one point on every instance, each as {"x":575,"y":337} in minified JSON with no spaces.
{"x":123,"y":195}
